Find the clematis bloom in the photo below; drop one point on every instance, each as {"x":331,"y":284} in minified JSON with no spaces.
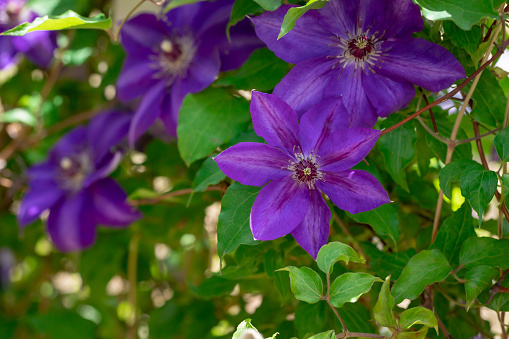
{"x":299,"y":163}
{"x":37,"y":46}
{"x":74,"y":185}
{"x":179,"y":54}
{"x":360,"y":50}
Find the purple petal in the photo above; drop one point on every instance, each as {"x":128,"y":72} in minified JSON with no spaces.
{"x":402,"y":18}
{"x":104,"y":169}
{"x":111,"y":207}
{"x":346,"y":148}
{"x":42,"y":172}
{"x":8,"y":54}
{"x":40,"y":197}
{"x":71,"y":143}
{"x":353,"y":191}
{"x":253,"y":164}
{"x":278,"y":209}
{"x":386,"y":95}
{"x":313,"y":231}
{"x":142,"y":33}
{"x":106,"y":131}
{"x":307,"y":40}
{"x":304,"y":85}
{"x":420,"y":62}
{"x":202,"y":71}
{"x":339,"y":17}
{"x":349,"y":87}
{"x":320,"y":121}
{"x":136,"y":77}
{"x":148,"y":111}
{"x":171,"y":108}
{"x":243,"y":42}
{"x":38,"y":47}
{"x":71,"y":223}
{"x":275,"y":121}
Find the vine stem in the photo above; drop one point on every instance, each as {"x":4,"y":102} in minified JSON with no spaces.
{"x":132,"y":273}
{"x":117,"y":36}
{"x":452,"y":144}
{"x":152,"y":201}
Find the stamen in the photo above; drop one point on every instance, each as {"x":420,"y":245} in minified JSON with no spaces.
{"x":305,"y":168}
{"x":173,"y":56}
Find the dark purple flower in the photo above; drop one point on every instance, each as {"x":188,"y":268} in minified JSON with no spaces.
{"x":181,"y":53}
{"x":38,"y":47}
{"x":360,"y":50}
{"x":301,"y":162}
{"x":74,"y":185}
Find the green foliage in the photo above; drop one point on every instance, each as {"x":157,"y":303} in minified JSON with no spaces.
{"x":478,"y":186}
{"x":349,"y":287}
{"x":295,"y":13}
{"x":501,"y":144}
{"x":305,"y":283}
{"x":478,"y":279}
{"x":68,"y":20}
{"x":19,"y":115}
{"x":207,"y":120}
{"x":398,"y":148}
{"x":233,"y":226}
{"x":425,"y":268}
{"x":418,"y":315}
{"x":177,"y":3}
{"x":63,"y":324}
{"x":269,"y":5}
{"x":324,"y":335}
{"x":489,"y":101}
{"x":384,"y":305}
{"x":333,"y":252}
{"x":468,"y":40}
{"x":383,"y":219}
{"x":464,"y":13}
{"x":485,"y":251}
{"x":451,"y":174}
{"x":208,"y":174}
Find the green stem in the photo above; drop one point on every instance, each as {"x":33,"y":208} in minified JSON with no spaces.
{"x":126,"y":18}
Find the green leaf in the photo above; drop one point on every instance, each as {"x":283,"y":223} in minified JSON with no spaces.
{"x":453,"y":232}
{"x":240,"y":9}
{"x":19,"y":115}
{"x":208,"y":174}
{"x":478,"y":279}
{"x":418,"y":316}
{"x":398,"y":148}
{"x":333,"y":252}
{"x":269,"y":5}
{"x":501,"y":144}
{"x":421,"y":334}
{"x":384,"y":305}
{"x":425,"y":268}
{"x":310,"y":318}
{"x":233,"y":225}
{"x":485,"y":251}
{"x":478,"y":186}
{"x":451,"y":174}
{"x":489,"y":100}
{"x":383,"y":219}
{"x":68,"y":20}
{"x":324,"y":335}
{"x":349,"y":287}
{"x":295,"y":13}
{"x":243,"y":327}
{"x":177,"y":3}
{"x":207,"y":120}
{"x":465,"y":13}
{"x":214,"y":286}
{"x":468,"y":40}
{"x":305,"y":283}
{"x":263,"y":71}
{"x":63,"y":324}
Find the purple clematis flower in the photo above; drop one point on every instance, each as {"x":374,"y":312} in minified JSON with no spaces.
{"x":38,"y":47}
{"x":179,"y":54}
{"x":301,"y":162}
{"x":360,"y":50}
{"x":74,"y":185}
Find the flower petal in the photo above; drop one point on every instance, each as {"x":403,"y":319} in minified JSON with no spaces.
{"x":275,"y":121}
{"x":278,"y":209}
{"x":353,"y":191}
{"x":38,"y":47}
{"x":420,"y":62}
{"x":136,"y":78}
{"x":349,"y":87}
{"x":339,"y":17}
{"x":171,"y":108}
{"x":305,"y":84}
{"x":346,"y":148}
{"x":106,"y":131}
{"x":71,"y":143}
{"x":41,"y":196}
{"x":142,"y":33}
{"x":111,"y":207}
{"x":387,"y":96}
{"x":202,"y":71}
{"x":320,"y":121}
{"x":71,"y":223}
{"x":307,"y":40}
{"x":148,"y":111}
{"x":8,"y":53}
{"x":313,"y":231}
{"x":402,"y":18}
{"x":253,"y":164}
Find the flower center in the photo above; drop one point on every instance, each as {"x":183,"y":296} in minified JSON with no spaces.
{"x":173,"y":57}
{"x":361,"y":50}
{"x":73,"y":171}
{"x":305,"y":169}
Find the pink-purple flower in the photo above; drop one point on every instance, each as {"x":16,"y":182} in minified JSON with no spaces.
{"x":38,"y":47}
{"x":360,"y":50}
{"x":74,"y":185}
{"x":180,"y":53}
{"x":299,"y":163}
